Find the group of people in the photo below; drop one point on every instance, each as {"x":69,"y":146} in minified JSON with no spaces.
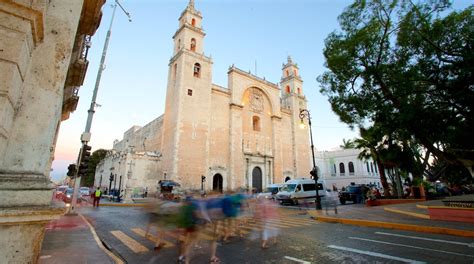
{"x":222,"y":216}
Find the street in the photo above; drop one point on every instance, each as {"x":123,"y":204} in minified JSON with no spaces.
{"x":301,"y":240}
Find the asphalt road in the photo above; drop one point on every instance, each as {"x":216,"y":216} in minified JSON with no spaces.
{"x":301,"y":240}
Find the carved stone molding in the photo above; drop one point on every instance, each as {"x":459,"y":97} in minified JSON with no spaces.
{"x":30,"y":14}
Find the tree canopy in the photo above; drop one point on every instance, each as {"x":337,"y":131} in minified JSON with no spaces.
{"x":96,"y":157}
{"x":408,"y":69}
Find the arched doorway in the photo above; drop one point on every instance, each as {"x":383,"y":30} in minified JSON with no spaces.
{"x":257,"y":179}
{"x":287,"y":178}
{"x":217,"y":183}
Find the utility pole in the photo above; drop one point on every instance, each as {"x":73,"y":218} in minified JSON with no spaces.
{"x":86,"y":136}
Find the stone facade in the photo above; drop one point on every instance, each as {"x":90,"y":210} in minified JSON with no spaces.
{"x":41,"y":68}
{"x":245,"y":135}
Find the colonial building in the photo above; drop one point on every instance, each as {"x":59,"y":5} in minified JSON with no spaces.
{"x":43,"y":62}
{"x":340,"y":168}
{"x":245,"y":135}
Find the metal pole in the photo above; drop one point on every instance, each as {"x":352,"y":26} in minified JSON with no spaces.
{"x":314,"y":171}
{"x":120,"y":188}
{"x":85,"y":137}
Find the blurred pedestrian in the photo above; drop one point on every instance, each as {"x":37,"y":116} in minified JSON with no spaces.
{"x":267,"y":213}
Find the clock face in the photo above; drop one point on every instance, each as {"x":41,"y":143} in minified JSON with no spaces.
{"x":256,"y":100}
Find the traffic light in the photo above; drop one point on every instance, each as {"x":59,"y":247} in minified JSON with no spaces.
{"x":71,"y":170}
{"x":203,"y":178}
{"x":85,"y":156}
{"x":314,"y":173}
{"x":111,"y":177}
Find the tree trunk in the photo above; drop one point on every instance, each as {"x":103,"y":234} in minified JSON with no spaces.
{"x":383,"y":177}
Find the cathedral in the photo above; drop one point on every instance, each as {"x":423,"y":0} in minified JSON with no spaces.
{"x":246,"y":135}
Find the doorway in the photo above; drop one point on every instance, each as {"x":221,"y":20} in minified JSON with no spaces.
{"x":257,"y":179}
{"x":217,"y":183}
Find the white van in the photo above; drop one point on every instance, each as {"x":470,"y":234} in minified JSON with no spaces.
{"x":300,"y":190}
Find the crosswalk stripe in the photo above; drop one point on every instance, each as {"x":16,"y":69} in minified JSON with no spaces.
{"x":283,"y":224}
{"x":131,"y":243}
{"x":151,"y":237}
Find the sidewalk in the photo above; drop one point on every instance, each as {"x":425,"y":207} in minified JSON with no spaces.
{"x":400,"y":216}
{"x":73,"y":239}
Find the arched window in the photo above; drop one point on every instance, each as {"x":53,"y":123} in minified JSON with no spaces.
{"x":367,"y":164}
{"x":371,"y":167}
{"x":299,"y":90}
{"x":193,"y":44}
{"x":287,"y":73}
{"x":334,"y":169}
{"x":296,"y":72}
{"x":351,"y":167}
{"x":197,"y":70}
{"x":179,"y":44}
{"x":288,"y":90}
{"x":193,"y":22}
{"x":256,"y":123}
{"x":342,"y":170}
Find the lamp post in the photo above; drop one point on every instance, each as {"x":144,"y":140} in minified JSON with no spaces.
{"x":304,"y":113}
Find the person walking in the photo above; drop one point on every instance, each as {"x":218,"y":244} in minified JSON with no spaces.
{"x":97,"y":195}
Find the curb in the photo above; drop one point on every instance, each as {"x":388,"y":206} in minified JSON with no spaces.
{"x":123,"y":205}
{"x":109,"y":253}
{"x":406,"y":227}
{"x":398,"y":211}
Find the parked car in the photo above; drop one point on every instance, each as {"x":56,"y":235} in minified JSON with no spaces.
{"x":271,"y":191}
{"x":59,"y":193}
{"x":353,"y":193}
{"x":84,"y":191}
{"x":300,"y":190}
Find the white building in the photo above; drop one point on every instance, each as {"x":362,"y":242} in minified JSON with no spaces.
{"x":341,"y":168}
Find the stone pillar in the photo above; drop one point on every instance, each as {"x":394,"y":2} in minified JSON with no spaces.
{"x":36,"y":42}
{"x":236,"y":175}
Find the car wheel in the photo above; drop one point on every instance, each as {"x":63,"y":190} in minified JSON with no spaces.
{"x":342,"y":201}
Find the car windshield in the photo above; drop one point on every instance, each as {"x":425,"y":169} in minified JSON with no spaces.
{"x":70,"y":191}
{"x":288,"y":187}
{"x":61,"y":189}
{"x":272,"y":189}
{"x":353,"y":189}
{"x":84,"y":189}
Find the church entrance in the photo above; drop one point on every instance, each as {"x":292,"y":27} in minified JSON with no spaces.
{"x":217,"y":183}
{"x":257,"y":179}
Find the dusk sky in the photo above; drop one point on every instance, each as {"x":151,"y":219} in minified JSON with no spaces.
{"x":255,"y":35}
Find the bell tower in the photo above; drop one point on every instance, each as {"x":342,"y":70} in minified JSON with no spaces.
{"x":188,"y":103}
{"x":293,"y":98}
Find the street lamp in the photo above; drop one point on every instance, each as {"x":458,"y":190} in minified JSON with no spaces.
{"x":304,"y":113}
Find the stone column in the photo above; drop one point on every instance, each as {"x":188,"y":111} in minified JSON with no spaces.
{"x":236,"y":159}
{"x":36,"y":42}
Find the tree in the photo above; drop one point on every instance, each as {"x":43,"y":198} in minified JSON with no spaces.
{"x":96,"y":157}
{"x":368,"y":143}
{"x":349,"y":144}
{"x":405,"y":67}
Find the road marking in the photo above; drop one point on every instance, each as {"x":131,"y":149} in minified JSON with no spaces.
{"x":401,"y":245}
{"x":298,"y":260}
{"x":375,"y":254}
{"x":428,"y":239}
{"x":99,"y":242}
{"x":131,"y":243}
{"x":151,"y":237}
{"x":45,"y":256}
{"x":297,"y":221}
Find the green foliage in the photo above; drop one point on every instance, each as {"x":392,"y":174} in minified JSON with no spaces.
{"x":407,"y":70}
{"x":347,"y":144}
{"x":96,"y":157}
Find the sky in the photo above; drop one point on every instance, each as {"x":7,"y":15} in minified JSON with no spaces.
{"x":255,"y":35}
